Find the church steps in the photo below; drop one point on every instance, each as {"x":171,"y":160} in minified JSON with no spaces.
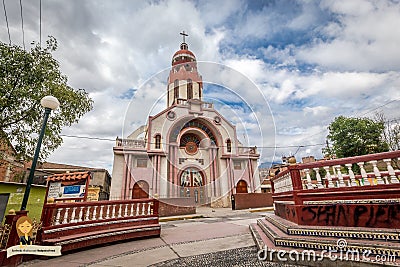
{"x":290,"y":228}
{"x":268,"y":249}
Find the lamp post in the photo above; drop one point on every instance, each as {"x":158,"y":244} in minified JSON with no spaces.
{"x":49,"y":103}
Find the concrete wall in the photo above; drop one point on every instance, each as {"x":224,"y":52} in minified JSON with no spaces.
{"x":253,"y":200}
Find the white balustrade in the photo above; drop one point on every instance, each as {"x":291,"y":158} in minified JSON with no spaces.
{"x":132,"y":206}
{"x":328,"y":177}
{"x":309,"y":184}
{"x":392,"y":174}
{"x":126,"y":210}
{"x":336,"y":177}
{"x":119,"y":210}
{"x":57,"y":222}
{"x":283,"y":184}
{"x":318,"y":176}
{"x":80,"y":216}
{"x":351,"y":175}
{"x":94,"y":213}
{"x":73,"y":219}
{"x":143,"y":208}
{"x":87,"y":213}
{"x":113,"y":211}
{"x":340,"y":176}
{"x":101,"y":212}
{"x":363,"y":174}
{"x":377,"y":173}
{"x":137,"y":209}
{"x":108,"y":212}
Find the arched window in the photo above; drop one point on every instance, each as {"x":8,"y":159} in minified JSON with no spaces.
{"x":176,"y":89}
{"x":158,"y":141}
{"x":189,"y":89}
{"x":228,"y":145}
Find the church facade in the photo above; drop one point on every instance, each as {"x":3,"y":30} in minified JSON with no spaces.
{"x":187,"y":151}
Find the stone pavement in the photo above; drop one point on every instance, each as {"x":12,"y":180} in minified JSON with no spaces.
{"x":213,"y":237}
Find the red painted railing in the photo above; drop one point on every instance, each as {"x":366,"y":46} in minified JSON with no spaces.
{"x":378,"y":179}
{"x":76,"y":225}
{"x":63,"y":214}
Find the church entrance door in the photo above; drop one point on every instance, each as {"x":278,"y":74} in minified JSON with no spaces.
{"x":241,"y":187}
{"x":140,"y":190}
{"x":192,"y":185}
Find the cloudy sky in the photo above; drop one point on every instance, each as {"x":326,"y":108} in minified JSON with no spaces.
{"x":291,"y":67}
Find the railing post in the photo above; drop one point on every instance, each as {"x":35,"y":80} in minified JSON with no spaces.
{"x":328,"y":177}
{"x":377,"y":172}
{"x":392,"y":174}
{"x":318,"y":176}
{"x":155,"y":207}
{"x":296,"y":182}
{"x":340,"y":176}
{"x":308,"y":177}
{"x":363,"y":173}
{"x":351,"y":175}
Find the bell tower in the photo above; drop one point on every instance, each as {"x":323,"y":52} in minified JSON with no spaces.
{"x":184,"y":81}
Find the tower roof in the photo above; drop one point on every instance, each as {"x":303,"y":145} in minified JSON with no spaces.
{"x":183,"y":55}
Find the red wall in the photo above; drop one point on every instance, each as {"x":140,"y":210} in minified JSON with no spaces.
{"x":382,"y":215}
{"x":252,"y":200}
{"x":176,"y":206}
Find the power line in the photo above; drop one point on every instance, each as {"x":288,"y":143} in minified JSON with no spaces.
{"x":113,"y":140}
{"x":8,"y":28}
{"x":22,"y":24}
{"x":87,"y":137}
{"x":380,"y":106}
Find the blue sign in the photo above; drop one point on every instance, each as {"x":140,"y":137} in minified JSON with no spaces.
{"x":72,"y":189}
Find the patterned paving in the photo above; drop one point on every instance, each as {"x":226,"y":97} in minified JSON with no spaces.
{"x":240,"y":257}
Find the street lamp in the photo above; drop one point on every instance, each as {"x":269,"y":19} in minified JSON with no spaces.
{"x":49,"y":103}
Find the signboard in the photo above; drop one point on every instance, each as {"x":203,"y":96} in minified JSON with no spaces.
{"x":93,"y":194}
{"x":67,"y":189}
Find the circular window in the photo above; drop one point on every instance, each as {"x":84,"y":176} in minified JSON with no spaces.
{"x":171,"y":115}
{"x":191,"y":148}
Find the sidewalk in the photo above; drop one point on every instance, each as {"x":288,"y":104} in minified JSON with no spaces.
{"x":218,"y":234}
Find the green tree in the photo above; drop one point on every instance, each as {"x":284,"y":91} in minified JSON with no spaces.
{"x":25,"y":78}
{"x":355,"y":136}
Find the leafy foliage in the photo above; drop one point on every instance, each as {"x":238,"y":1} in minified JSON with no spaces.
{"x":391,"y":134}
{"x":25,"y":78}
{"x":355,"y":136}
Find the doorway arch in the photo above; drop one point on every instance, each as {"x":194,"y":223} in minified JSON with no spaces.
{"x":140,"y":190}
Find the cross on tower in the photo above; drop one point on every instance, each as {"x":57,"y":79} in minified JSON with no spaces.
{"x":183,"y":35}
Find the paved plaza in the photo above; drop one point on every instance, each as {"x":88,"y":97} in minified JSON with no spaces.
{"x":214,"y":237}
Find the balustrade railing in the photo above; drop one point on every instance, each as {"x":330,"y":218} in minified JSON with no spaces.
{"x":130,"y":143}
{"x":58,"y":214}
{"x":374,"y":169}
{"x":283,"y":183}
{"x":247,"y":150}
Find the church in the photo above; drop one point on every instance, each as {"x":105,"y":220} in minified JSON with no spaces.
{"x":187,"y":151}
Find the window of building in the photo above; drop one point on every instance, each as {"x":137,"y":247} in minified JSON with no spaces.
{"x":176,"y":89}
{"x":237,"y":165}
{"x":229,"y":146}
{"x":142,"y":163}
{"x":189,"y":89}
{"x":158,"y":141}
